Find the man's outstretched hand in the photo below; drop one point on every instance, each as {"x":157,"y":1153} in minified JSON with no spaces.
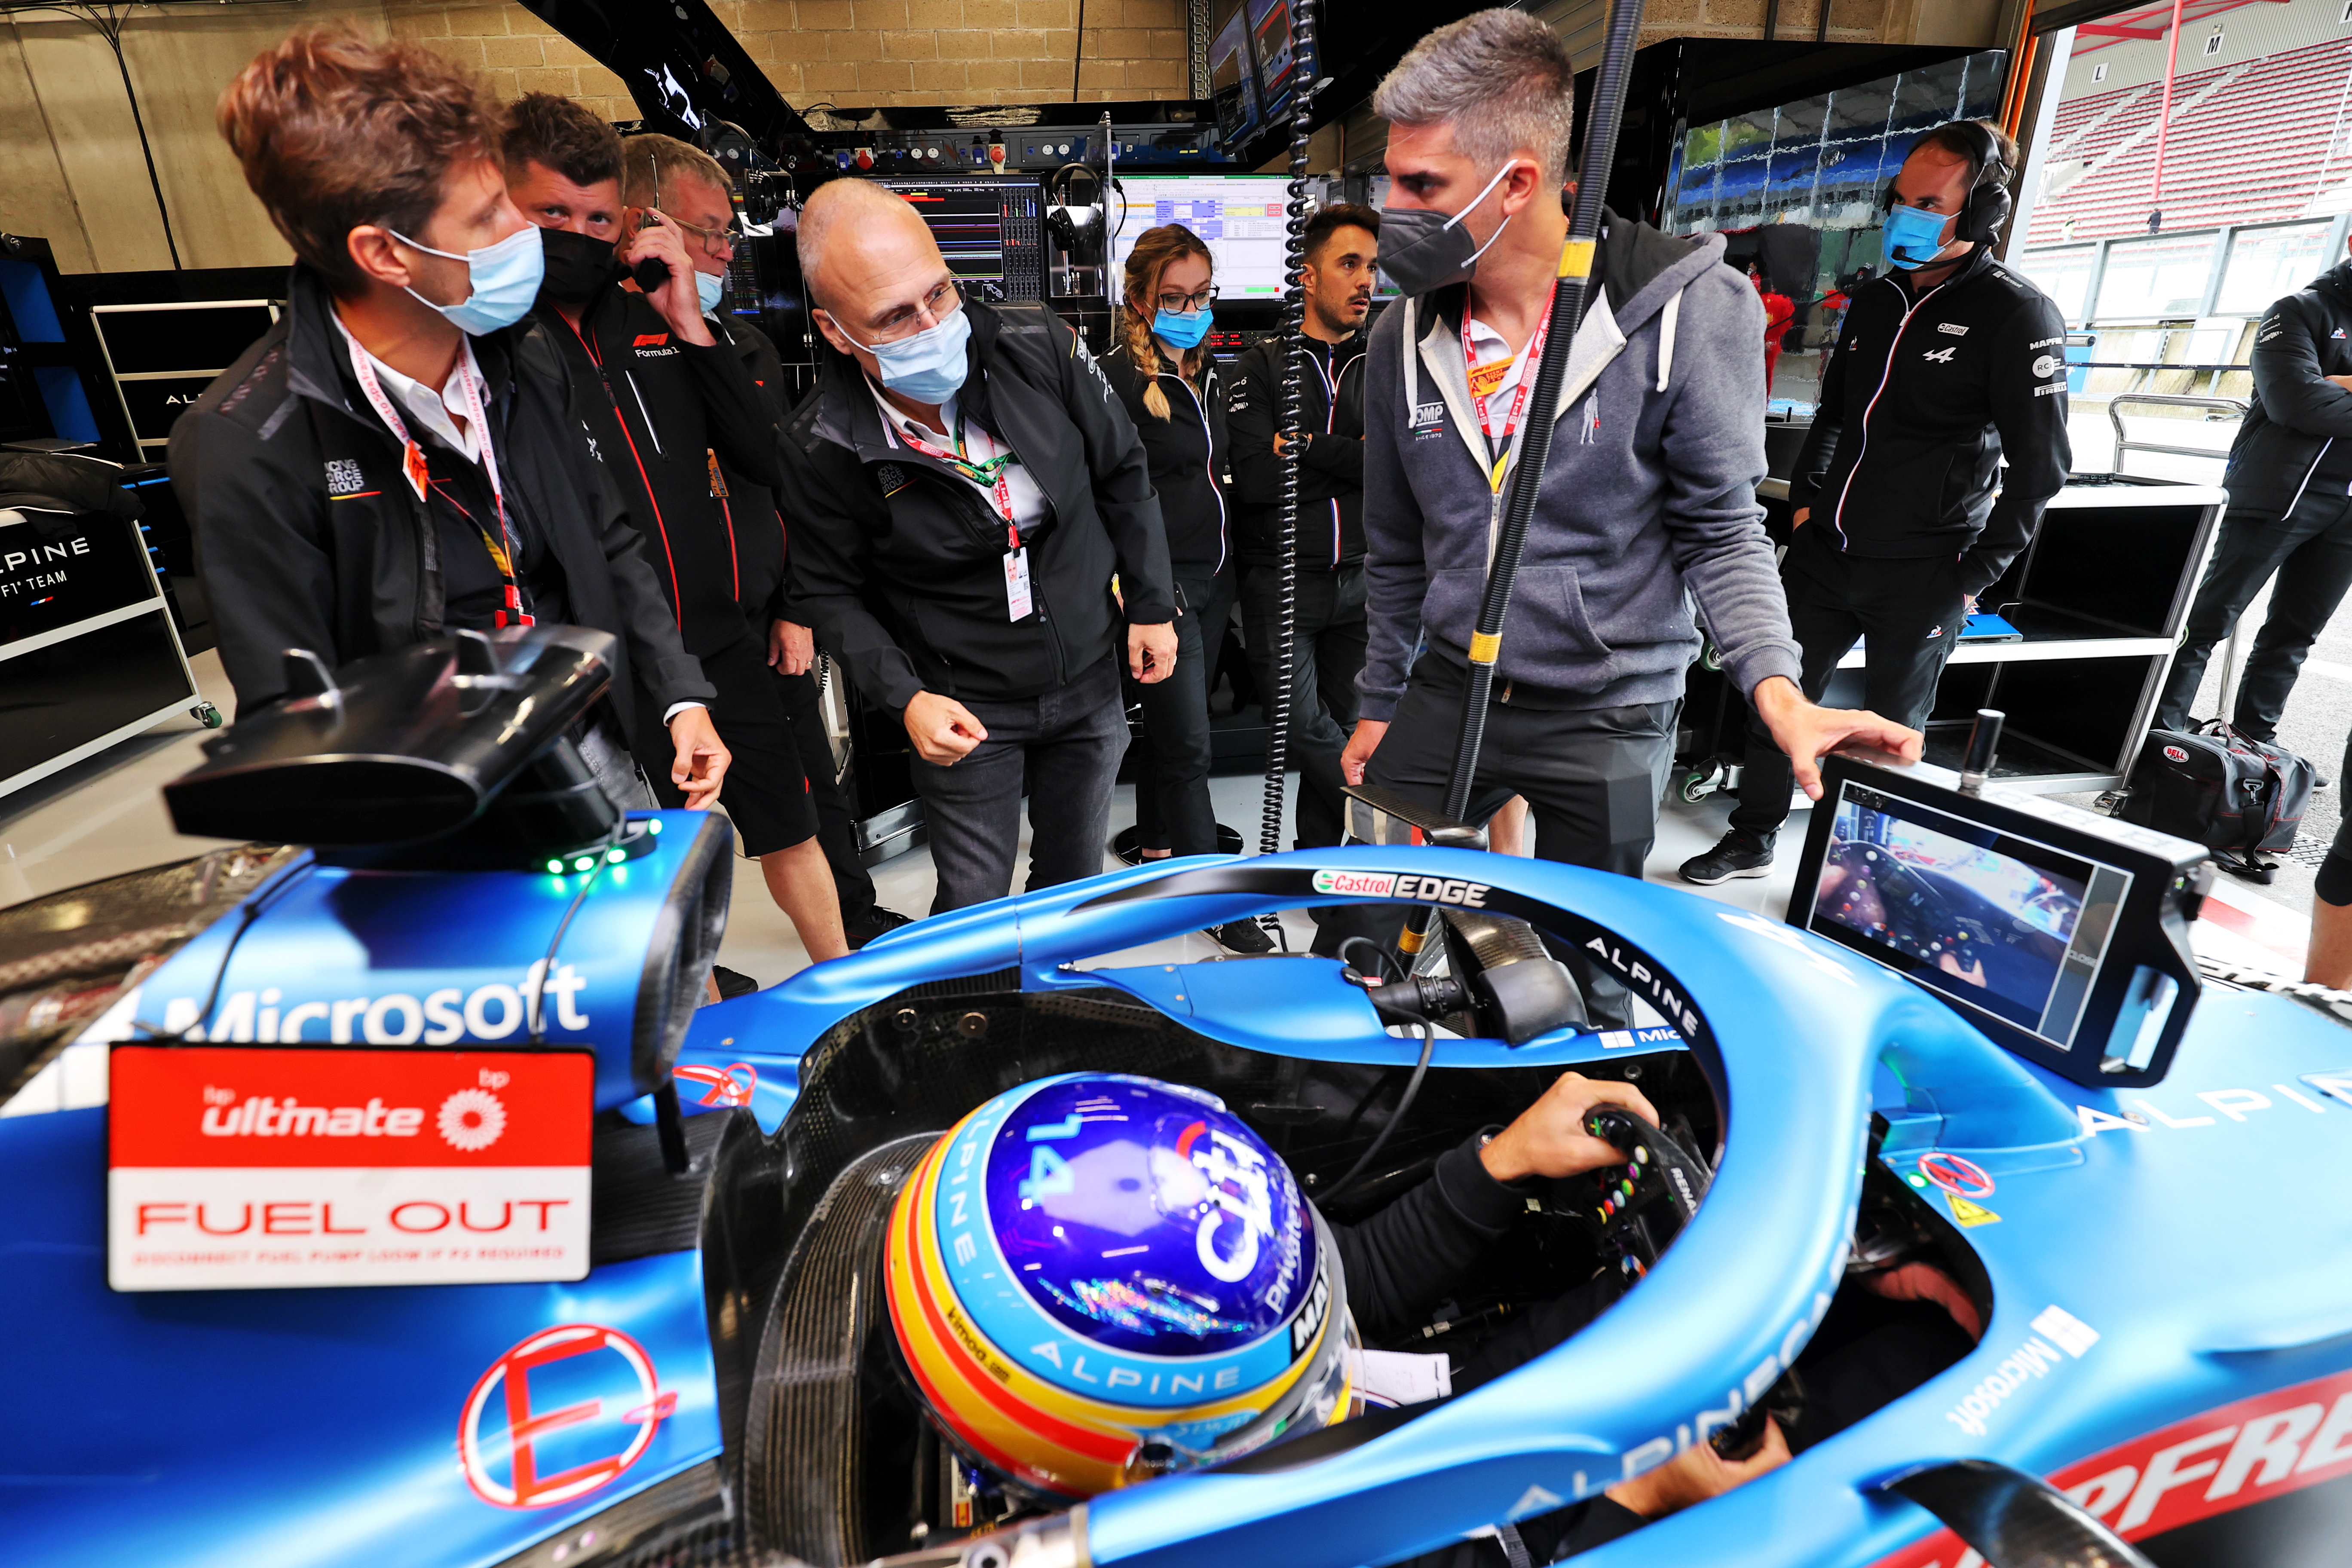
{"x":1806,"y":731}
{"x":1548,"y":1139}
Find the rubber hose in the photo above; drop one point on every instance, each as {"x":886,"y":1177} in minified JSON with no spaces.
{"x":1288,"y":420}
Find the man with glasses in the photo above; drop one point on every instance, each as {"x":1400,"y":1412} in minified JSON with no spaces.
{"x":694,"y":190}
{"x":975,"y":532}
{"x":665,"y":404}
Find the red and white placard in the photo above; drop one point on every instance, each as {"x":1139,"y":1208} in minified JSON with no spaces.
{"x":232,"y":1167}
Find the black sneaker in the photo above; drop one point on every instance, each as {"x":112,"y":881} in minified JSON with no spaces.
{"x":1247,"y":938}
{"x":1739,"y":853}
{"x":876,"y":923}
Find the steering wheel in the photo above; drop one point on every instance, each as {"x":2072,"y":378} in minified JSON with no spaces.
{"x":1640,"y":1206}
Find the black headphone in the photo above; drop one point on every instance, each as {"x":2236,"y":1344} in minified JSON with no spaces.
{"x":1989,"y":202}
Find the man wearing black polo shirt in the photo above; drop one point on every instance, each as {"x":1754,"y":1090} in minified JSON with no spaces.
{"x":662,"y":400}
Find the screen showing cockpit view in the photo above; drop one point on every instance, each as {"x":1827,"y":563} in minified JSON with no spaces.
{"x":1998,"y":922}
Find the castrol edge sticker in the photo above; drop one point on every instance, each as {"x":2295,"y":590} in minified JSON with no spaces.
{"x":232,"y":1167}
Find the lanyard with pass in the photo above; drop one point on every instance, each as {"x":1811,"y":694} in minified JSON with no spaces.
{"x":1019,"y":600}
{"x":1492,"y":376}
{"x":412,"y":468}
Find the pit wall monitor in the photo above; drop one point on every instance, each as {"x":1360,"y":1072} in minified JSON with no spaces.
{"x":1240,"y":216}
{"x":2062,"y":934}
{"x":1233,"y":80}
{"x":991,"y":229}
{"x":1277,"y":62}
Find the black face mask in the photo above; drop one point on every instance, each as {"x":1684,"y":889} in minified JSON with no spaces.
{"x":578,"y":267}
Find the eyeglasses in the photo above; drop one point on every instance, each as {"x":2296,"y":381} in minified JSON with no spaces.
{"x":716,"y":242}
{"x":944,"y":299}
{"x":1185,"y":304}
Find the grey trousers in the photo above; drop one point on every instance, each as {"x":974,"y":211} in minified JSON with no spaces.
{"x":1063,"y":749}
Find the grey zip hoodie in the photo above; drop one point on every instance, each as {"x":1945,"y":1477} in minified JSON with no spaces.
{"x":1649,"y":497}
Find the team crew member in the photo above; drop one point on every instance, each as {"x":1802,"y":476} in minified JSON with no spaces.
{"x":1944,"y":368}
{"x":661,"y":398}
{"x":394,"y":459}
{"x":1327,"y":654}
{"x":1651,"y":489}
{"x":963,"y":487}
{"x":2290,"y":483}
{"x":696,"y":189}
{"x":1163,"y":375}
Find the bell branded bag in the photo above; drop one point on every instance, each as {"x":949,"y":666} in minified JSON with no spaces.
{"x":2240,"y":797}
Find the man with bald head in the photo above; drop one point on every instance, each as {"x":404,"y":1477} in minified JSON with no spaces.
{"x":975,"y":535}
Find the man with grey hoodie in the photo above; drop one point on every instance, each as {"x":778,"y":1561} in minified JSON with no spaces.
{"x":1649,"y":497}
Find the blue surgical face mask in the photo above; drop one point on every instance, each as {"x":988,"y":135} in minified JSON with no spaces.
{"x":503,"y":280}
{"x":1182,"y":330}
{"x":927,"y":367}
{"x":711,"y":289}
{"x":1913,"y":236}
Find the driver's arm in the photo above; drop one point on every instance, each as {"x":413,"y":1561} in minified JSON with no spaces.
{"x":1404,"y":1261}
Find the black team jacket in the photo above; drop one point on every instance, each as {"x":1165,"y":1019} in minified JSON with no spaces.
{"x":755,"y":522}
{"x":2298,"y":431}
{"x":1331,"y":469}
{"x":1189,"y":454}
{"x":1921,"y":402}
{"x":658,"y":409}
{"x":309,"y":537}
{"x":899,"y":561}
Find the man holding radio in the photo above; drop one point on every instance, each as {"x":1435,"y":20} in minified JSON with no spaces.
{"x":1945,"y":370}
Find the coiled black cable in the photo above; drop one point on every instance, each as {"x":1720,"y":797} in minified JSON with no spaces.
{"x":1288,"y":420}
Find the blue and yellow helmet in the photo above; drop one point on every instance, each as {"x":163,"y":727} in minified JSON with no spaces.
{"x":1097,"y":1278}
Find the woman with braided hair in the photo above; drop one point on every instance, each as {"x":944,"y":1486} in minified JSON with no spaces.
{"x":1161,"y":370}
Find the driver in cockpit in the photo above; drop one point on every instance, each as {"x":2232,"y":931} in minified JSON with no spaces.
{"x":1139,"y":1226}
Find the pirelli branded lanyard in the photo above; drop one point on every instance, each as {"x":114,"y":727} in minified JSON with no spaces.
{"x":499,"y":544}
{"x":989,"y":471}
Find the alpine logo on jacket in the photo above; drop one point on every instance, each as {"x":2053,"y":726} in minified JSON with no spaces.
{"x":1942,"y":355}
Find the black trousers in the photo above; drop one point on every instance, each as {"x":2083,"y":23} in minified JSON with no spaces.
{"x":1909,"y":614}
{"x":765,"y":793}
{"x":836,"y":830}
{"x":1326,"y":655}
{"x":2310,"y":549}
{"x":1591,"y":776}
{"x":1171,"y":757}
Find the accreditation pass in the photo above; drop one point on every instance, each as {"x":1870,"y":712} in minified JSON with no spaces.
{"x":1018,"y":600}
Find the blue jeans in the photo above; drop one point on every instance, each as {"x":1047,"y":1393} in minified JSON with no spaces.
{"x":1062,"y":749}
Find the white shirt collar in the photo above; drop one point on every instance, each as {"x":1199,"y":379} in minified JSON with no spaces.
{"x":442,"y":412}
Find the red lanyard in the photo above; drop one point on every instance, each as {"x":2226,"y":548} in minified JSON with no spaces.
{"x":502,"y":545}
{"x":1534,"y":355}
{"x":989,"y":471}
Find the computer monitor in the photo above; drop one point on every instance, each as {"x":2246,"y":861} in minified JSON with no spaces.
{"x":1240,"y":215}
{"x":1270,"y":36}
{"x":1233,"y":80}
{"x":2061,"y":934}
{"x":990,"y":229}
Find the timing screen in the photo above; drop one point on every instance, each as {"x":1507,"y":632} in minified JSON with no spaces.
{"x":2000,"y":924}
{"x":1239,"y":216}
{"x":968,"y":221}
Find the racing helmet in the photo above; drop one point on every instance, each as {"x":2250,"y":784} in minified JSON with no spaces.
{"x":1099,"y":1279}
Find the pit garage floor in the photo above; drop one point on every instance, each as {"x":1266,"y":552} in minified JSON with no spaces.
{"x":105,"y":816}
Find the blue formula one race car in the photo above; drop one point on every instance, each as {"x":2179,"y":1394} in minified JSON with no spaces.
{"x":391,"y":1201}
